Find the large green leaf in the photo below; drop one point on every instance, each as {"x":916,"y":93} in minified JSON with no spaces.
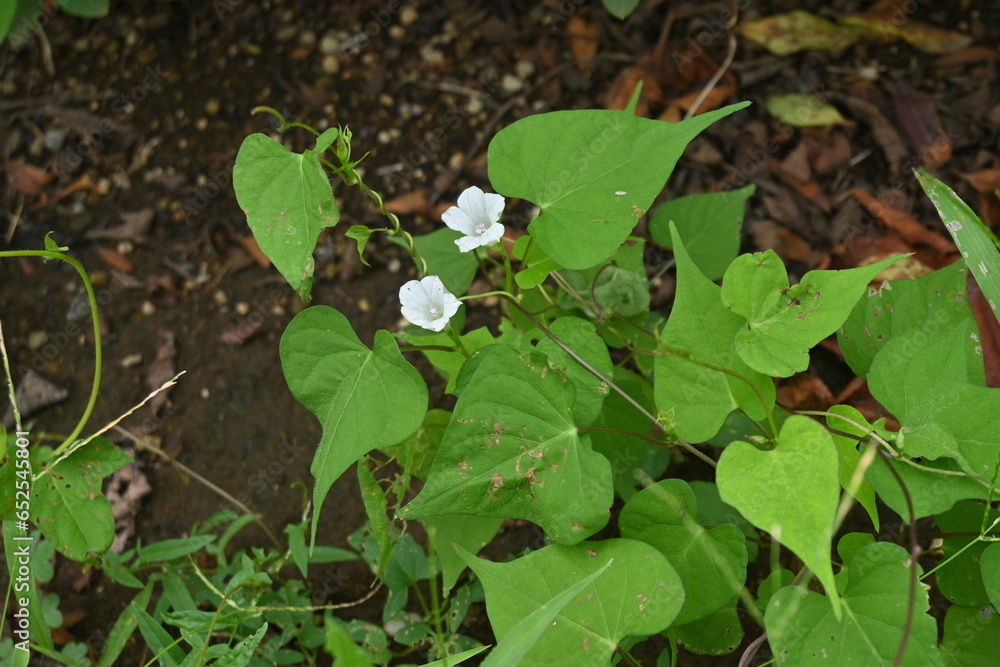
{"x":790,"y":491}
{"x":934,"y":302}
{"x":639,"y":595}
{"x":68,"y":505}
{"x":718,"y":633}
{"x":365,"y":399}
{"x":512,"y":450}
{"x":701,"y":329}
{"x":288,"y":201}
{"x":924,"y":381}
{"x":990,"y":566}
{"x":711,"y":562}
{"x":803,"y":631}
{"x":709,"y":223}
{"x":593,"y":173}
{"x":783,"y":323}
{"x":976,"y":241}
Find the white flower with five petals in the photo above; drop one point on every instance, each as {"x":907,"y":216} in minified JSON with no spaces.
{"x":476,"y":216}
{"x":427,"y":303}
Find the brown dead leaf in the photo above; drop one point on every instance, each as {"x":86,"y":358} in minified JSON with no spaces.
{"x":884,"y":132}
{"x":160,"y":371}
{"x":28,"y":179}
{"x":902,"y":223}
{"x":250,"y":244}
{"x":125,"y":491}
{"x":115,"y":259}
{"x":241,"y":332}
{"x":805,"y":392}
{"x":584,"y":40}
{"x":918,"y":115}
{"x":769,"y":235}
{"x":85,"y":182}
{"x":415,"y":202}
{"x":973,"y":55}
{"x":621,"y":90}
{"x":134,"y":227}
{"x":985,"y":180}
{"x":33,"y":394}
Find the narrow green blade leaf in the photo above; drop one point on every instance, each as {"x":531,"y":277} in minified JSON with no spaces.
{"x":977,"y":243}
{"x":791,"y":492}
{"x":639,"y":595}
{"x":288,"y":201}
{"x":365,"y":399}
{"x":512,"y":450}
{"x":593,"y":173}
{"x":801,"y":629}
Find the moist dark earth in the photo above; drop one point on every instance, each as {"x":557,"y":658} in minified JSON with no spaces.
{"x":119,"y":136}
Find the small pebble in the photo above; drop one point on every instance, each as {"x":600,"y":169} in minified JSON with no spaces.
{"x":331,"y":64}
{"x":430,"y":55}
{"x":125,"y":247}
{"x":393,"y":265}
{"x":409,"y":15}
{"x":363,"y":305}
{"x":147,"y":308}
{"x":286,"y":33}
{"x":212,"y":106}
{"x":242,"y":308}
{"x":329,"y":44}
{"x":131,"y":360}
{"x":220,"y":297}
{"x":36,"y":339}
{"x":511,"y":83}
{"x":205,"y":393}
{"x":524,"y":68}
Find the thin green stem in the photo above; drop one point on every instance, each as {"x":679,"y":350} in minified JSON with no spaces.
{"x":51,"y":254}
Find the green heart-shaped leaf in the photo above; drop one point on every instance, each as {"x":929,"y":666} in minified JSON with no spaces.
{"x":639,"y":595}
{"x":593,"y":173}
{"x":783,"y":323}
{"x":365,"y":399}
{"x":513,"y":450}
{"x":791,"y":491}
{"x":288,"y":201}
{"x":801,"y":629}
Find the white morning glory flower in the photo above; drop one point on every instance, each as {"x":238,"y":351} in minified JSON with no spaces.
{"x":476,"y":216}
{"x":427,"y":303}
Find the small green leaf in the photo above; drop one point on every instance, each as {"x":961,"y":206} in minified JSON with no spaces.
{"x":620,"y":9}
{"x":790,"y":492}
{"x":288,"y":201}
{"x":168,"y":550}
{"x":240,"y":655}
{"x":536,"y":265}
{"x":513,"y":450}
{"x":90,"y":9}
{"x":638,"y":595}
{"x":343,"y":648}
{"x":783,"y":323}
{"x":718,"y":633}
{"x":365,"y":399}
{"x":709,"y":223}
{"x":976,"y":241}
{"x":52,"y":246}
{"x":701,"y":329}
{"x":801,"y":629}
{"x":847,"y":451}
{"x":710,"y":562}
{"x":593,"y":173}
{"x":68,"y":504}
{"x":456,"y":269}
{"x":361,"y":234}
{"x":376,"y":507}
{"x":800,"y":110}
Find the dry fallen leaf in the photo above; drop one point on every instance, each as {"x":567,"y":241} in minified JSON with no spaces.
{"x":904,"y":224}
{"x":115,"y":259}
{"x":134,"y":227}
{"x":33,"y":394}
{"x":918,"y":115}
{"x":28,"y":179}
{"x":584,"y":40}
{"x":161,"y":370}
{"x":785,"y":34}
{"x":250,"y":244}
